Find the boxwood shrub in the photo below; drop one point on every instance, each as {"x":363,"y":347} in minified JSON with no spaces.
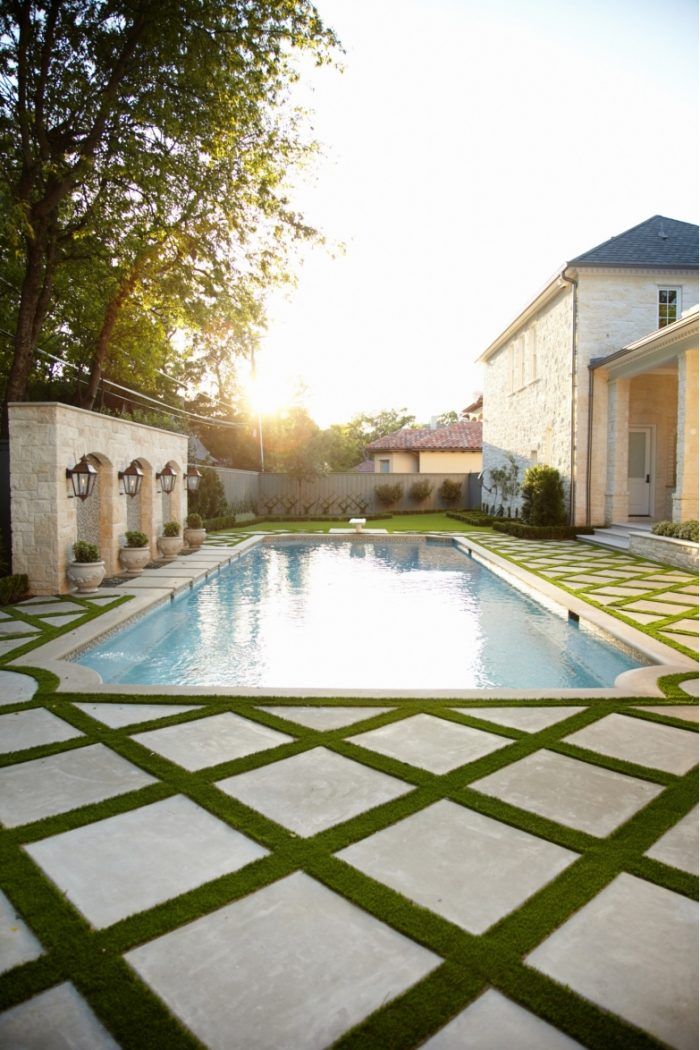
{"x":542,"y":532}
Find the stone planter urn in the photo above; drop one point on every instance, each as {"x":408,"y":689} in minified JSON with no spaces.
{"x":195,"y":538}
{"x":134,"y":559}
{"x":86,"y":575}
{"x":169,"y":547}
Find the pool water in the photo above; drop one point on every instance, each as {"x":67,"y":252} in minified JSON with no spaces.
{"x":363,"y":615}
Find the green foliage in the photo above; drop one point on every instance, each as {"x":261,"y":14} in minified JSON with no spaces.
{"x":504,"y":481}
{"x":171,"y":528}
{"x":13,"y":588}
{"x":450,"y":491}
{"x":447,"y":418}
{"x":389,"y":494}
{"x":474,"y":517}
{"x":162,"y":420}
{"x":209,"y":500}
{"x":134,"y":538}
{"x":542,"y":532}
{"x":85,"y":553}
{"x":686,"y":530}
{"x":194,"y":521}
{"x":543,"y":496}
{"x":420,"y":491}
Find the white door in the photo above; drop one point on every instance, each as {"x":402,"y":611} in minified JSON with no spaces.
{"x":639,"y":471}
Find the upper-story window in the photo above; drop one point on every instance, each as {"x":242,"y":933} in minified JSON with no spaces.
{"x":669,"y":306}
{"x":384,"y":465}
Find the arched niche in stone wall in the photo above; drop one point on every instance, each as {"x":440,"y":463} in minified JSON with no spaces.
{"x":97,"y":518}
{"x":144,"y":512}
{"x":171,"y":502}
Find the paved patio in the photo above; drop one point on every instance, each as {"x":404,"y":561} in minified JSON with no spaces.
{"x":232,"y":873}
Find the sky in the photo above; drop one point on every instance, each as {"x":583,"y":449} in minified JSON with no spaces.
{"x":469,"y":149}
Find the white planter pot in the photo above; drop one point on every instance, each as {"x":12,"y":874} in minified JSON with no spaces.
{"x":195,"y":537}
{"x":86,"y":575}
{"x":134,"y":559}
{"x":169,"y":547}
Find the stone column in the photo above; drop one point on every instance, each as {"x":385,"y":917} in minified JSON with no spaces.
{"x":617,"y":483}
{"x":685,"y":496}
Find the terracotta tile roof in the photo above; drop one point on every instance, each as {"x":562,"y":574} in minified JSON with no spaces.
{"x":475,"y":405}
{"x":365,"y":467}
{"x":457,"y":437}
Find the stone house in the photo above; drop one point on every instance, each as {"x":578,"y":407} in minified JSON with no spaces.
{"x":455,"y":448}
{"x":598,"y":377}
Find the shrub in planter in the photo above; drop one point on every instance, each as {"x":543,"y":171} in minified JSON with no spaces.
{"x":680,"y":530}
{"x":419,"y":491}
{"x":450,"y":491}
{"x":389,"y":494}
{"x":688,"y":530}
{"x":195,"y":532}
{"x":135,"y":556}
{"x":170,"y":543}
{"x":543,"y":496}
{"x":87,"y":570}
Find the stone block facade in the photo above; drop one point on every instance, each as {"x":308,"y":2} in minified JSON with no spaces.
{"x":46,"y":439}
{"x":665,"y":549}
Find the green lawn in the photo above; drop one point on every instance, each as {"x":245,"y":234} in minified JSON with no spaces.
{"x":438,"y":522}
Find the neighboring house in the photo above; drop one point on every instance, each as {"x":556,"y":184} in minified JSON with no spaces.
{"x":598,"y":377}
{"x":452,"y":449}
{"x":474,"y":411}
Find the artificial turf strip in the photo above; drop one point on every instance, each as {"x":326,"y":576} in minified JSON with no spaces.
{"x":92,"y":958}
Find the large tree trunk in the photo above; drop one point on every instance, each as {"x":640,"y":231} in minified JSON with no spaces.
{"x":101,"y":354}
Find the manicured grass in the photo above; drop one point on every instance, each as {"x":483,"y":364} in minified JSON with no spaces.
{"x":438,"y":522}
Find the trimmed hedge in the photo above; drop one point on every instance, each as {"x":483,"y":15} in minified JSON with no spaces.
{"x":542,"y":532}
{"x":679,"y":530}
{"x":12,"y":588}
{"x":473,"y":517}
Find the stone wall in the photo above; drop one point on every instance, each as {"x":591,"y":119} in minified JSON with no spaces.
{"x":666,"y":549}
{"x":48,"y":438}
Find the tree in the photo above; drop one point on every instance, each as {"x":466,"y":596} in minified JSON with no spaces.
{"x":446,"y":418}
{"x":543,"y":496}
{"x":103,"y":102}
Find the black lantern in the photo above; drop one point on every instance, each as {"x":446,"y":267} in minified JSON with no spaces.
{"x":83,"y":477}
{"x":167,"y":478}
{"x":131,"y":478}
{"x":192,"y":479}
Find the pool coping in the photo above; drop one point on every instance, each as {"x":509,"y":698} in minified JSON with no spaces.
{"x":74,"y":678}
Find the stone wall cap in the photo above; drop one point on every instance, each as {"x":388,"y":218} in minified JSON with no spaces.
{"x":60,"y":407}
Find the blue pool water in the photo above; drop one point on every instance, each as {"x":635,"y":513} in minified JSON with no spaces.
{"x":363,"y":615}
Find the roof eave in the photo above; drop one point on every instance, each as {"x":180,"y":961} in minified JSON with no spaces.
{"x":555,"y":285}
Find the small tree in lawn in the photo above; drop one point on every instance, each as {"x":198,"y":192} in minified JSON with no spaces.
{"x":543,"y":496}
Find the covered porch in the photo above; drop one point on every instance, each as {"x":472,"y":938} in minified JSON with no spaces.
{"x":644,"y":429}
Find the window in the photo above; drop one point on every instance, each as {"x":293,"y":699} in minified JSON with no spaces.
{"x":384,"y":465}
{"x":669,"y":306}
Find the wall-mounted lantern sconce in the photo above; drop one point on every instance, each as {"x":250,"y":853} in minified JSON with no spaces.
{"x":82,"y":477}
{"x":131,"y":479}
{"x":167,"y":478}
{"x":192,"y":479}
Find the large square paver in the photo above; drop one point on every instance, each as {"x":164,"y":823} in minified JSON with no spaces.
{"x":679,"y":846}
{"x":312,"y":791}
{"x":133,"y":861}
{"x":528,"y":719}
{"x":569,"y":792}
{"x":493,"y":1022}
{"x":431,"y":743}
{"x":17,"y":942}
{"x":466,"y":867}
{"x":24,"y":729}
{"x":54,"y":1020}
{"x":209,"y":741}
{"x":118,"y":715}
{"x":632,"y":950}
{"x":17,"y":627}
{"x":16,"y":688}
{"x":324,"y":718}
{"x":646,"y":743}
{"x":33,"y":790}
{"x":687,"y":712}
{"x":51,"y":608}
{"x":293,"y":965}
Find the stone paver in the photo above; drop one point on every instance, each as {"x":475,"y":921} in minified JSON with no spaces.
{"x":689,"y":640}
{"x":679,"y":846}
{"x":52,"y":608}
{"x":493,"y":1022}
{"x":33,"y":728}
{"x":209,"y":741}
{"x":16,"y":688}
{"x":17,"y":627}
{"x":323,"y":718}
{"x":58,"y":1019}
{"x":17,"y":942}
{"x":528,"y":719}
{"x":685,"y":625}
{"x":313,"y":791}
{"x":677,"y":598}
{"x":645,"y":743}
{"x":9,"y":646}
{"x":131,"y":862}
{"x":643,"y":618}
{"x":466,"y":867}
{"x":431,"y":743}
{"x":632,"y":950}
{"x":569,"y":792}
{"x":621,"y":592}
{"x":39,"y":600}
{"x":690,"y":686}
{"x":34,"y":790}
{"x":688,"y":712}
{"x":61,"y":621}
{"x":293,"y":965}
{"x":118,"y":715}
{"x":662,"y":609}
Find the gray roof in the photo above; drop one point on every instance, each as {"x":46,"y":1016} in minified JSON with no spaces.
{"x":658,"y":242}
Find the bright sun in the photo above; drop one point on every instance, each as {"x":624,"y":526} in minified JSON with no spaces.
{"x":268,"y":394}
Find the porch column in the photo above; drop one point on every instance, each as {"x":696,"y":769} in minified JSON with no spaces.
{"x":685,"y":496}
{"x":616,"y":487}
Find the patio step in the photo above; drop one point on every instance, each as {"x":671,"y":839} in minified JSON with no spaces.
{"x":615,"y":537}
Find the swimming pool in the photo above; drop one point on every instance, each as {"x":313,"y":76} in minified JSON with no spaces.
{"x":360,"y":615}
